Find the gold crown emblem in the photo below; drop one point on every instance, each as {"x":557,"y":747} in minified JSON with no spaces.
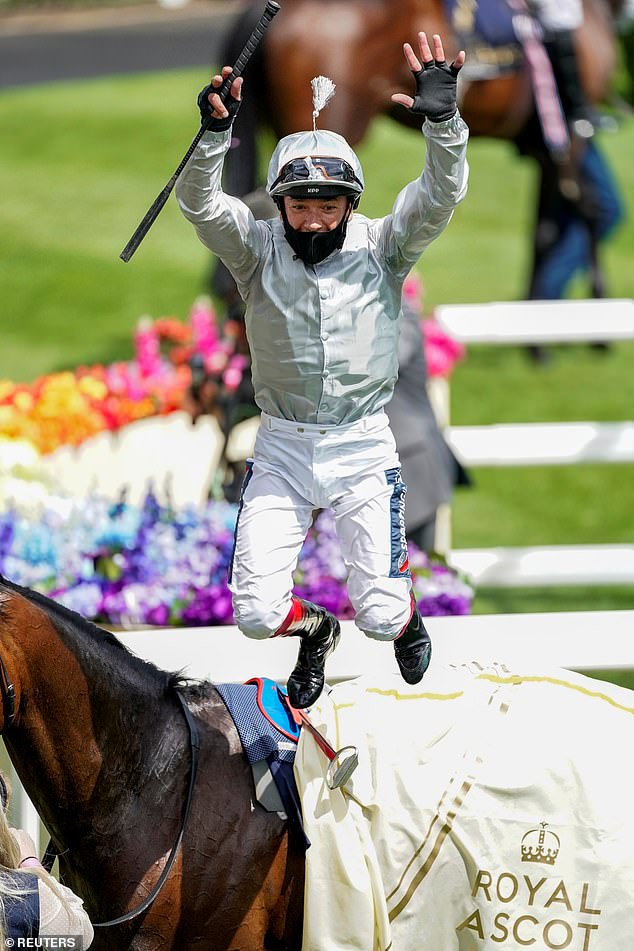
{"x":538,"y":845}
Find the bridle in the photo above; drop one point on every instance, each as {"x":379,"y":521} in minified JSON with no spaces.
{"x":8,"y":706}
{"x":8,"y":695}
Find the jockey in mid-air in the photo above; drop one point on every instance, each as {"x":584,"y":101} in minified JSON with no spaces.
{"x":322,"y":288}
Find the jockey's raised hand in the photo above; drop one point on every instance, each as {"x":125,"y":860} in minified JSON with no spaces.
{"x":436,"y":81}
{"x":212,"y":108}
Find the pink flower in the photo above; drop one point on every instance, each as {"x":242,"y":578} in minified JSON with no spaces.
{"x":234,"y":372}
{"x":231,"y":378}
{"x":147,"y":348}
{"x":203,"y":324}
{"x":442,"y":352}
{"x":413,"y":291}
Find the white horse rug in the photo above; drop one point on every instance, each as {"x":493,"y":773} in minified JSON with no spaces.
{"x":491,"y":809}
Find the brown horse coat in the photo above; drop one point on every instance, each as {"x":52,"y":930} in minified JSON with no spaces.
{"x":101,"y":746}
{"x":358,"y":44}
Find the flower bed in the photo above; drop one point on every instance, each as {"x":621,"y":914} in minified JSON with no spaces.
{"x":126,"y":566}
{"x":151,"y":565}
{"x":70,"y":407}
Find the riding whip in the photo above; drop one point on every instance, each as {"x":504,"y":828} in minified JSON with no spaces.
{"x":271,"y":9}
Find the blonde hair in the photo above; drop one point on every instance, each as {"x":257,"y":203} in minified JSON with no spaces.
{"x":10,"y":886}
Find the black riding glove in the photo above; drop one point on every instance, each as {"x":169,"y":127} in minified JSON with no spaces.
{"x":435,"y":95}
{"x":213,"y":124}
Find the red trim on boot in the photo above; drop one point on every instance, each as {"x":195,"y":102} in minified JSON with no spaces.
{"x":295,"y":614}
{"x":411,"y":613}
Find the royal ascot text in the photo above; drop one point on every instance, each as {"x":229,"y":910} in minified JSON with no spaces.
{"x":537,"y":911}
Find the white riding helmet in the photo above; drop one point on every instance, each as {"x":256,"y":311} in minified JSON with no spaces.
{"x":317,"y":164}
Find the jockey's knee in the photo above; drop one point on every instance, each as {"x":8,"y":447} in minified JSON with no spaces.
{"x":381,"y":632}
{"x":257,"y":619}
{"x":253,"y":629}
{"x":382,"y":620}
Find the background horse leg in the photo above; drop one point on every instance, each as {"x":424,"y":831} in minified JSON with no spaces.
{"x":545,"y":236}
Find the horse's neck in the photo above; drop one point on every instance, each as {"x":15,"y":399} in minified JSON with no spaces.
{"x":87,"y":716}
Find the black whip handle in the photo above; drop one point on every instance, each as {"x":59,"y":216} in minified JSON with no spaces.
{"x":271,"y":9}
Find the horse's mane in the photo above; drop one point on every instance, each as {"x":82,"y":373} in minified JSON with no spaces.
{"x":63,"y":618}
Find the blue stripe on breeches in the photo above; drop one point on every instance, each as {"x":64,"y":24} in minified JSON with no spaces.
{"x":399,"y":562}
{"x":245,"y":483}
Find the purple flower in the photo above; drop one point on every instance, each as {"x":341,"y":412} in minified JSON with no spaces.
{"x":158,"y":615}
{"x":155,"y":565}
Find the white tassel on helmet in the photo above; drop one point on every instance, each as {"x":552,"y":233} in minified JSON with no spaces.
{"x":323,"y":91}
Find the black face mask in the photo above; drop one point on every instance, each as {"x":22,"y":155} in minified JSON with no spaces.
{"x":314,"y":248}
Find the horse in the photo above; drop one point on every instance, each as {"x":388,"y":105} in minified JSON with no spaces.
{"x":358,"y":44}
{"x":99,"y":741}
{"x":105,"y":744}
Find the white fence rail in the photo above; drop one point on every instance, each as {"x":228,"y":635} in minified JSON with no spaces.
{"x":547,"y":565}
{"x":538,"y":444}
{"x":547,"y":321}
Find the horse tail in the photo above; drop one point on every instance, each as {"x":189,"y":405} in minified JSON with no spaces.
{"x":241,"y":165}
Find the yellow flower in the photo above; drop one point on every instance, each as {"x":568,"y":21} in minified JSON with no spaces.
{"x":23,"y":401}
{"x":93,"y":388}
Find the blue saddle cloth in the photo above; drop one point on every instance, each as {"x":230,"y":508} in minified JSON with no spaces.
{"x":490,"y":21}
{"x":268,"y":733}
{"x":485,"y":29}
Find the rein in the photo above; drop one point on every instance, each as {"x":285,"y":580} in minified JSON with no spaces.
{"x":194,"y":744}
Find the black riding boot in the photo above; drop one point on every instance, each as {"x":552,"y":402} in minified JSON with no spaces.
{"x":319,"y":631}
{"x":413,"y":650}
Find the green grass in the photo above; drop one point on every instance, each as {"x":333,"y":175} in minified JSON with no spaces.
{"x":540,"y":600}
{"x":624,"y":678}
{"x":76,"y":187}
{"x":80,"y":164}
{"x":77,"y":181}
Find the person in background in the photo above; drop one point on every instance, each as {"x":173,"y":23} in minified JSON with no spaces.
{"x":230,"y":401}
{"x":33,"y":904}
{"x":579,"y":202}
{"x":429,"y":468}
{"x":568,"y":232}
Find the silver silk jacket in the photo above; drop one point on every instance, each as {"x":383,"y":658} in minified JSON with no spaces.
{"x":324,"y":339}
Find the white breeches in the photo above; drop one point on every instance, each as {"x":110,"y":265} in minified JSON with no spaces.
{"x":297,"y":468}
